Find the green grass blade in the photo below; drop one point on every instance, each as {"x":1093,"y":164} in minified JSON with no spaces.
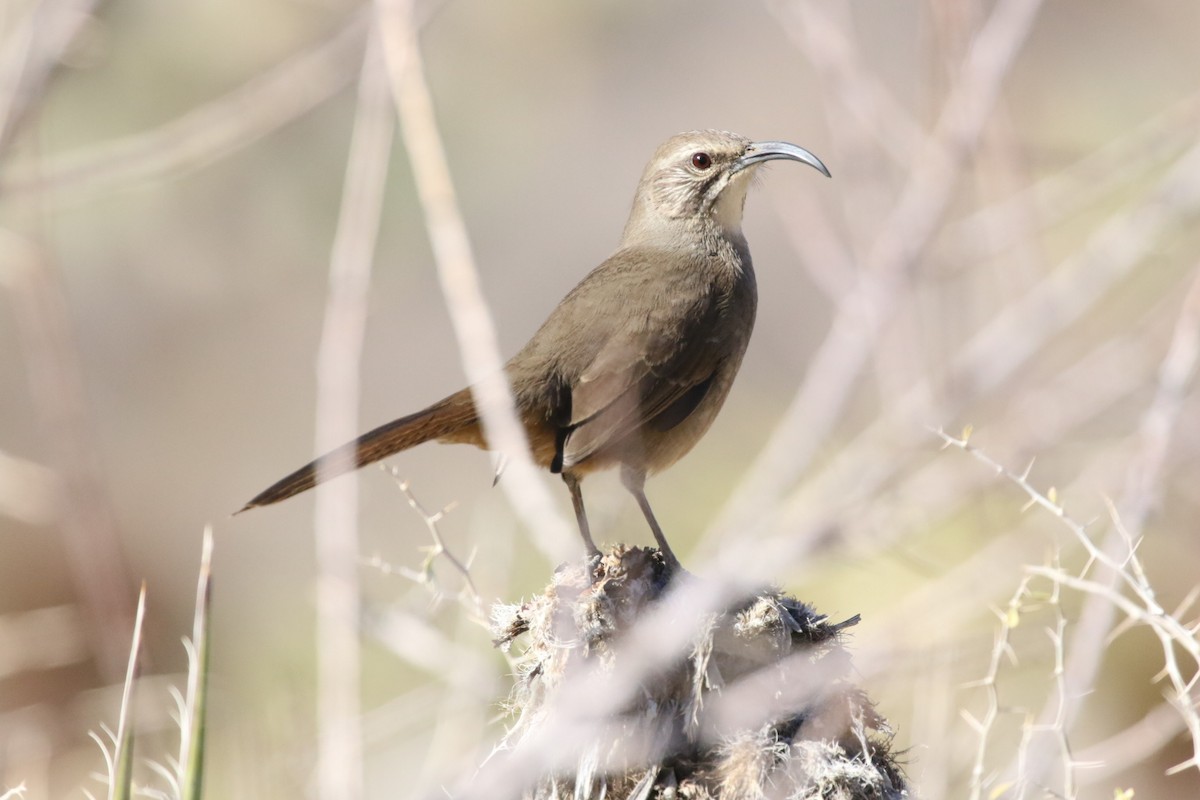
{"x":120,"y":786}
{"x":191,"y":756}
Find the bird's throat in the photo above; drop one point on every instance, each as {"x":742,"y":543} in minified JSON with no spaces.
{"x":727,"y":210}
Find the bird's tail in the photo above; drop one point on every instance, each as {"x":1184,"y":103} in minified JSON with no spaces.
{"x":451,"y":419}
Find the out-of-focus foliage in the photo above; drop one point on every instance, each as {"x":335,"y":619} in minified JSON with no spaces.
{"x":168,"y":195}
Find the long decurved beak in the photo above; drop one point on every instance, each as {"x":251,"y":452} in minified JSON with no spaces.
{"x":757,"y":152}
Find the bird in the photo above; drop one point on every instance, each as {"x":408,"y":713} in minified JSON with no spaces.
{"x":632,"y":366}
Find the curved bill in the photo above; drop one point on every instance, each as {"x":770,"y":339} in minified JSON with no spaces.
{"x":757,"y":152}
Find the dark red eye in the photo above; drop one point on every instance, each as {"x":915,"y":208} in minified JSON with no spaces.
{"x":701,"y":160}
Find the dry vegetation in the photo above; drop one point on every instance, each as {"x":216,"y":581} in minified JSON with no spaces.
{"x":969,"y":413}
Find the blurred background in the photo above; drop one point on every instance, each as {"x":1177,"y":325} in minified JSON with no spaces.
{"x":1009,"y":243}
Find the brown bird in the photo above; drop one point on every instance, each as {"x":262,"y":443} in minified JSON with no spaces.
{"x":633,"y":365}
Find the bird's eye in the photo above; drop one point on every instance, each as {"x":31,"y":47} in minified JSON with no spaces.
{"x":701,"y":160}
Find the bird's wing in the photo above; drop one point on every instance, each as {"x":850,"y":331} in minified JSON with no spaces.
{"x":652,"y":370}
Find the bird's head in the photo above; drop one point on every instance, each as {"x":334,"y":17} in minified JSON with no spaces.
{"x":700,"y":179}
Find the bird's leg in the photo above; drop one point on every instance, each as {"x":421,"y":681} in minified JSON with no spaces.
{"x":635,"y":482}
{"x":580,"y":515}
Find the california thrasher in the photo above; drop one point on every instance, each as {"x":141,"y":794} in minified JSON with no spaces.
{"x":632,"y":366}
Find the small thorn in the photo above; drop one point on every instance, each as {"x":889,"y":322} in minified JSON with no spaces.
{"x":501,"y":463}
{"x":1028,"y":469}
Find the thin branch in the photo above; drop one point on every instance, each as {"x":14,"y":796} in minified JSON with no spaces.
{"x":424,"y":575}
{"x":1114,"y":572}
{"x":1142,"y":490}
{"x":1171,"y":634}
{"x":1001,"y":650}
{"x":458,"y":274}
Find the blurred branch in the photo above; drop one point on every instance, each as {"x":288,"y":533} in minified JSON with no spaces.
{"x":822,"y":253}
{"x":29,"y":492}
{"x":86,"y":518}
{"x":414,"y":639}
{"x":205,"y":134}
{"x":863,"y":117}
{"x":469,"y":687}
{"x":1134,"y":744}
{"x":993,"y":355}
{"x":41,"y":639}
{"x":339,"y":755}
{"x":34,"y":51}
{"x":1056,"y":197}
{"x":1144,"y":484}
{"x":932,"y":495}
{"x":930,"y":490}
{"x":465,"y":715}
{"x":1074,"y":287}
{"x":822,"y":31}
{"x":458,"y":274}
{"x":861,"y":316}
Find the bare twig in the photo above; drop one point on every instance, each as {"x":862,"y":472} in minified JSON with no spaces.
{"x":424,"y":575}
{"x":1047,"y":500}
{"x":1116,"y":574}
{"x":1142,"y":490}
{"x":1055,"y":726}
{"x":1172,"y":635}
{"x":1002,"y":649}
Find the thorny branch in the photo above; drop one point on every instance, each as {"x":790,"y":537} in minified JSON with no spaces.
{"x":1142,"y":607}
{"x":424,"y":575}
